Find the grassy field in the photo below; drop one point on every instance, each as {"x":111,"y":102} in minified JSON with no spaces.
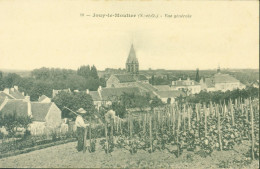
{"x":66,"y":156}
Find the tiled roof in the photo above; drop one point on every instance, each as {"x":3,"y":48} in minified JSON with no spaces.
{"x":42,"y":98}
{"x":2,"y":99}
{"x":40,"y":110}
{"x":3,"y":94}
{"x":185,"y":83}
{"x":16,"y":94}
{"x":110,"y":93}
{"x":146,"y":87}
{"x":124,"y":78}
{"x":224,"y":78}
{"x":163,"y":87}
{"x":170,"y":94}
{"x":210,"y":82}
{"x":142,"y":77}
{"x":95,"y":96}
{"x":55,"y":92}
{"x":14,"y":105}
{"x":13,"y":93}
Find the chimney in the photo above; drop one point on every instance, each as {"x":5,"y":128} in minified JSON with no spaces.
{"x":29,"y":110}
{"x":188,"y":78}
{"x":99,"y":88}
{"x":16,"y":87}
{"x":6,"y":90}
{"x":87,"y":91}
{"x":27,"y":98}
{"x":179,"y":79}
{"x":23,"y":93}
{"x":12,"y":89}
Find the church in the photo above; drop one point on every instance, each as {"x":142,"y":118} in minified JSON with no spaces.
{"x":131,"y":75}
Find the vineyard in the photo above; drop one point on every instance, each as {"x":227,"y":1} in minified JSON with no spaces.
{"x":195,"y":127}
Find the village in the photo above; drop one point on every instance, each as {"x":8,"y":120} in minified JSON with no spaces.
{"x":45,"y":112}
{"x":133,"y":96}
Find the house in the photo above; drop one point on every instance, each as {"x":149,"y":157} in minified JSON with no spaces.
{"x":221,"y":82}
{"x":170,"y":96}
{"x":163,"y":87}
{"x":55,"y":92}
{"x":44,"y":99}
{"x":191,"y":86}
{"x":96,"y":97}
{"x":255,"y":84}
{"x":125,"y":80}
{"x":45,"y":116}
{"x":105,"y":96}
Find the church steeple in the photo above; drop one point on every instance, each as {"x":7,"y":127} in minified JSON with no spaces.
{"x":132,"y":65}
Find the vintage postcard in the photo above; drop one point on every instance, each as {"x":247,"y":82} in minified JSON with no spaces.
{"x":129,"y":84}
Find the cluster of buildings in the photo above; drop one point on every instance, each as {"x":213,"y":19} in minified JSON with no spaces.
{"x":132,"y":80}
{"x":44,"y":113}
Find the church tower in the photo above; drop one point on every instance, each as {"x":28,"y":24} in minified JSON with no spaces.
{"x":132,"y":65}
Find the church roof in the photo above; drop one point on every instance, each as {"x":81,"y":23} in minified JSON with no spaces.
{"x":224,"y":78}
{"x":124,"y":78}
{"x":132,"y":57}
{"x":170,"y":94}
{"x":110,"y":93}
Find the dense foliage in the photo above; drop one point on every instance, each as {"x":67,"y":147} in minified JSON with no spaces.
{"x":198,"y":128}
{"x":218,"y":96}
{"x":13,"y":121}
{"x":74,"y":101}
{"x":44,"y":80}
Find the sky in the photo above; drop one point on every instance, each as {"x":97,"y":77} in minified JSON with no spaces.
{"x":36,"y":34}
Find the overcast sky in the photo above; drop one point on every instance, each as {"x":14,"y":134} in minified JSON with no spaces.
{"x":34,"y":34}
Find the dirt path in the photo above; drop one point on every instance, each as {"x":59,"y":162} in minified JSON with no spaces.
{"x":66,"y":156}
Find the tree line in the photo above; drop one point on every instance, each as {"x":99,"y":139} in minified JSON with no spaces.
{"x":43,"y":80}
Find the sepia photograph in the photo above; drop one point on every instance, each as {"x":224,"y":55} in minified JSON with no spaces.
{"x":129,"y":84}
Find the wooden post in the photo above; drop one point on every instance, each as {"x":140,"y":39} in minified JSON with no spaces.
{"x":107,"y":144}
{"x":112,"y":131}
{"x":246,"y":113}
{"x":173,"y":121}
{"x":90,"y":134}
{"x":205,"y":119}
{"x":252,"y":129}
{"x":197,"y":112}
{"x":232,"y":113}
{"x":117,"y":121}
{"x":219,"y":130}
{"x":151,"y":134}
{"x":84,"y":140}
{"x":131,"y":126}
{"x":120,"y":126}
{"x":184,"y":117}
{"x":189,"y":116}
{"x":178,"y":128}
{"x":144,"y":125}
{"x":211,"y":109}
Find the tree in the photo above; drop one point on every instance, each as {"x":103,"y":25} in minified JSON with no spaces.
{"x":12,"y":121}
{"x":197,"y":79}
{"x":11,"y":79}
{"x":94,"y":73}
{"x":74,"y":101}
{"x":40,"y":88}
{"x":84,"y":71}
{"x":2,"y":86}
